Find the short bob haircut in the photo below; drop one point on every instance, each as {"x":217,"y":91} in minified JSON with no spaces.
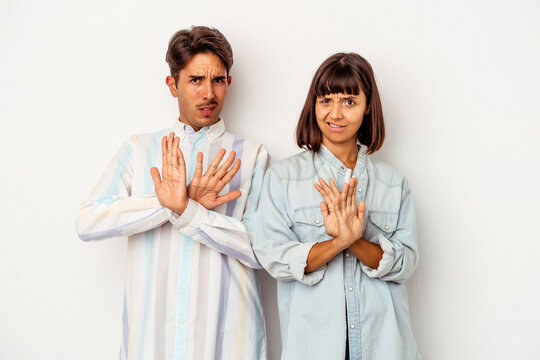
{"x":185,"y":44}
{"x":346,"y":73}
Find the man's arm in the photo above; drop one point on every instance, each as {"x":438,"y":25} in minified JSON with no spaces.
{"x":111,"y":211}
{"x":226,"y":233}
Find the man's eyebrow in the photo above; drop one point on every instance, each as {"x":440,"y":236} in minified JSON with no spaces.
{"x":196,"y":76}
{"x":219,"y":77}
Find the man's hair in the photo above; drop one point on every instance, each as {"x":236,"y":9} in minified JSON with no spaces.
{"x":185,"y":44}
{"x":346,"y":73}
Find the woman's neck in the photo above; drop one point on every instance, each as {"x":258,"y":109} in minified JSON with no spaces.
{"x":346,"y":153}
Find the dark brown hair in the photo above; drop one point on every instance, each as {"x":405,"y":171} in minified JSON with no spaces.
{"x":185,"y":44}
{"x":346,"y":73}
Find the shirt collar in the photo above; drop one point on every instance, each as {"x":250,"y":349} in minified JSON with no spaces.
{"x":213,"y":131}
{"x":334,"y":161}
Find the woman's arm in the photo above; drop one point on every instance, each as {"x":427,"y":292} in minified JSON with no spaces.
{"x":344,"y":221}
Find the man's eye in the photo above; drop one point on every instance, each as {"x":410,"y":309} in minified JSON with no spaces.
{"x":219,"y":80}
{"x":195,"y":80}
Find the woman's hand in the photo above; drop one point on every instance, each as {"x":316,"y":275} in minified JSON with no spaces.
{"x":327,"y":206}
{"x":350,"y":218}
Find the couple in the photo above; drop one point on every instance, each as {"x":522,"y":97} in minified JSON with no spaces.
{"x":333,"y":226}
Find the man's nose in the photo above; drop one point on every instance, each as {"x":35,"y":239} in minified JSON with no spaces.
{"x":208,"y":91}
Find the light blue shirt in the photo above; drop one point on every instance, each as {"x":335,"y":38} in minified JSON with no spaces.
{"x":344,"y":299}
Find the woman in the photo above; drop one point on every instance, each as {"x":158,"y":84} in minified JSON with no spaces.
{"x":341,"y":257}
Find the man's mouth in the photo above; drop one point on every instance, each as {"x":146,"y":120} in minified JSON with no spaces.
{"x":207,"y":110}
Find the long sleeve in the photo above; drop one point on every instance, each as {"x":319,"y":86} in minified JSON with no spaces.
{"x":277,"y":247}
{"x":400,"y":255}
{"x":227,"y":234}
{"x":111,"y":211}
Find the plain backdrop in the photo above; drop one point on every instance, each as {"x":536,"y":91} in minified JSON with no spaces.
{"x":460,"y":90}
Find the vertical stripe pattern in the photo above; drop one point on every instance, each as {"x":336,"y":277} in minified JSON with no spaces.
{"x":188,"y":295}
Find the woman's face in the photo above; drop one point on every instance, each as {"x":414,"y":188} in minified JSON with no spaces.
{"x":339,"y":117}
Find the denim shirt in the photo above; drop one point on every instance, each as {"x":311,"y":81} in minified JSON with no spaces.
{"x":344,"y":299}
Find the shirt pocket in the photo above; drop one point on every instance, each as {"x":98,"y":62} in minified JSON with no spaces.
{"x":380,"y":223}
{"x":309,"y":225}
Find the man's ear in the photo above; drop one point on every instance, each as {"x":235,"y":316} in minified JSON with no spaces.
{"x":228,"y":80}
{"x":171,"y":83}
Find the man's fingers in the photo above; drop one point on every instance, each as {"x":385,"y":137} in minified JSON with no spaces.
{"x":230,"y":174}
{"x":181,"y":162}
{"x":169,"y":149}
{"x":199,"y":164}
{"x":226,"y":165}
{"x":213,"y":166}
{"x":155,"y":177}
{"x":175,"y":146}
{"x":163,"y":151}
{"x":228,"y":197}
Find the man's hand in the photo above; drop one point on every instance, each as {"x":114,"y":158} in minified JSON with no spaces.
{"x":205,"y":188}
{"x":171,"y":191}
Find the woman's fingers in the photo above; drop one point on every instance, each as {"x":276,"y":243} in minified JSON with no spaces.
{"x":329,"y":200}
{"x":324,"y":210}
{"x":361,"y":209}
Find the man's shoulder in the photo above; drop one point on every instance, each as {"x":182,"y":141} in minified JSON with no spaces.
{"x":148,"y":138}
{"x":240,"y":143}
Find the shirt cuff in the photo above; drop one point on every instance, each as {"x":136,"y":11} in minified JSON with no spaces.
{"x":387,"y":261}
{"x":298,"y":263}
{"x":191,"y":219}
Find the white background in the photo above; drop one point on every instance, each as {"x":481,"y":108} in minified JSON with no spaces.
{"x":460,"y":89}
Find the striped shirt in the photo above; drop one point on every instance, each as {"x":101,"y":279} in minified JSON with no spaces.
{"x":191,"y":290}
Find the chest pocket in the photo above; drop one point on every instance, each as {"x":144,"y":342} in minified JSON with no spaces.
{"x":380,"y":223}
{"x":309,"y":225}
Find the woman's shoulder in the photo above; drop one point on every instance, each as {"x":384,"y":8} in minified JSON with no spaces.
{"x":385,"y":173}
{"x":296,"y":166}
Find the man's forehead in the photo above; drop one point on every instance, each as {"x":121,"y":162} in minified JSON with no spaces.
{"x":205,"y":64}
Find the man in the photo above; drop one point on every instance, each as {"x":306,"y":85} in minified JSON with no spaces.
{"x":191,"y":289}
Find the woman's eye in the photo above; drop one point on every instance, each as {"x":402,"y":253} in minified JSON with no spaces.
{"x":350,"y":102}
{"x":324,"y":101}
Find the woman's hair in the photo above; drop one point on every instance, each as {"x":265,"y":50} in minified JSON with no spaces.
{"x":185,"y":44}
{"x":346,"y":73}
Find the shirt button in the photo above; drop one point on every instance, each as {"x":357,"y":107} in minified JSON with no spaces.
{"x":352,"y":326}
{"x":346,"y":254}
{"x":187,"y":249}
{"x":359,"y":190}
{"x":182,"y":322}
{"x":184,"y":285}
{"x":350,"y":288}
{"x":386,"y":227}
{"x":342,"y":168}
{"x":317,"y":221}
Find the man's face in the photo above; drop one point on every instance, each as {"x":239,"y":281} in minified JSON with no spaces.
{"x":201,"y":90}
